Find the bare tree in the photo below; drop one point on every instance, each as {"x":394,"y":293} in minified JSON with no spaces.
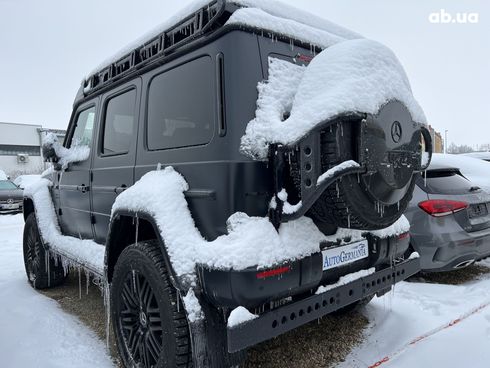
{"x":463,"y":148}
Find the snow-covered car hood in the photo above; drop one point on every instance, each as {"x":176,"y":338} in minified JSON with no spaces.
{"x":474,"y":169}
{"x":25,"y":180}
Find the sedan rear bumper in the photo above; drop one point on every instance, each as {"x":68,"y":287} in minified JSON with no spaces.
{"x":450,"y":251}
{"x":5,"y":211}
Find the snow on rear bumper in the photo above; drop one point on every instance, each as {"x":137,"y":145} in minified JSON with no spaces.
{"x":278,"y":321}
{"x":254,"y":286}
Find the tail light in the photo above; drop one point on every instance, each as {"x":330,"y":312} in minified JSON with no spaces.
{"x":403,"y":236}
{"x":442,"y":207}
{"x":273,"y":272}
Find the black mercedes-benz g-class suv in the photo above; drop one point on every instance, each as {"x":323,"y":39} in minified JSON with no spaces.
{"x":183,"y":98}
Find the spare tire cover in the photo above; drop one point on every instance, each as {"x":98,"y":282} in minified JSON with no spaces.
{"x":388,"y":145}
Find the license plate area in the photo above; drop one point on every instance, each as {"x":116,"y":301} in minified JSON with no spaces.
{"x":344,"y":255}
{"x":10,"y":206}
{"x":477,"y":210}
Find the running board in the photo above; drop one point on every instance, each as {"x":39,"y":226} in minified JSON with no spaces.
{"x":80,"y":261}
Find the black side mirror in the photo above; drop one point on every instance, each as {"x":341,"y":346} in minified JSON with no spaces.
{"x":50,"y":142}
{"x":49,"y":153}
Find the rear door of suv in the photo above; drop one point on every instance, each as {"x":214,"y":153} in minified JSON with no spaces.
{"x":113,"y":163}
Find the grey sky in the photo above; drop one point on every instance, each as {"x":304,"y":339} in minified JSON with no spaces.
{"x":46,"y":47}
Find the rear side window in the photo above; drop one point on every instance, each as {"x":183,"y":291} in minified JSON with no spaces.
{"x":119,"y":123}
{"x":181,"y":106}
{"x":445,"y":182}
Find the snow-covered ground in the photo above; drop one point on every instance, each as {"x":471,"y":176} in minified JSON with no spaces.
{"x":419,"y":324}
{"x":422,"y":324}
{"x":34,"y":331}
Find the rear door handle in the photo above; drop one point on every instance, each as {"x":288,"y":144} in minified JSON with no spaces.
{"x":120,"y":189}
{"x":83,"y":188}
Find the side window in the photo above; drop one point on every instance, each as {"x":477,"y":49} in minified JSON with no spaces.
{"x":119,"y":122}
{"x":82,"y":136}
{"x":181,"y":106}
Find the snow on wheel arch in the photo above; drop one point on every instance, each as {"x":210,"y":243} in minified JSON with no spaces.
{"x":84,"y":252}
{"x":249,"y":242}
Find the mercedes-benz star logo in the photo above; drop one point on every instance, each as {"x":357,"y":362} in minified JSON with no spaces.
{"x":10,"y":201}
{"x":396,"y":131}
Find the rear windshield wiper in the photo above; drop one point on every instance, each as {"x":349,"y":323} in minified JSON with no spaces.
{"x":474,"y":188}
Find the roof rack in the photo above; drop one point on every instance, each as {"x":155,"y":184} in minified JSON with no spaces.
{"x":189,"y":28}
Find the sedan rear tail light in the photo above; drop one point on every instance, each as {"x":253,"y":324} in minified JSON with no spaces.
{"x":442,"y":207}
{"x":403,"y":236}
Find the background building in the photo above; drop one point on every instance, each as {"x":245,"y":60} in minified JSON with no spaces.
{"x":437,"y":142}
{"x":20,"y":148}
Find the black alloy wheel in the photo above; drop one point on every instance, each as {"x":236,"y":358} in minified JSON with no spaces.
{"x":149,"y":320}
{"x":140,"y":320}
{"x":42,"y":273}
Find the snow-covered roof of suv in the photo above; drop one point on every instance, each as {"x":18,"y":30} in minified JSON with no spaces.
{"x":356,"y":75}
{"x":195,"y":19}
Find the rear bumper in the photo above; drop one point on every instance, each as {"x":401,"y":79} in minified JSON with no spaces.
{"x":291,"y":316}
{"x":246,"y":288}
{"x":441,"y":252}
{"x":4,"y":211}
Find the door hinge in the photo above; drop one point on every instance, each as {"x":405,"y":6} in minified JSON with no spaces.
{"x":92,"y":219}
{"x":91,"y":176}
{"x":60,"y":212}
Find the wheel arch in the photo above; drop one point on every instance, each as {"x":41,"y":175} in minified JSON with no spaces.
{"x":126,"y":228}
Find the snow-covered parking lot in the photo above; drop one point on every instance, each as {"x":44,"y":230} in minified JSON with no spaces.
{"x":418,"y":324}
{"x":424,"y":324}
{"x":34,"y":330}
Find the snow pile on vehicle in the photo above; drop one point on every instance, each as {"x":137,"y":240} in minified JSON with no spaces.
{"x":351,"y":76}
{"x":344,"y":280}
{"x":192,"y":307}
{"x":474,"y":169}
{"x":273,"y":16}
{"x":240,"y":315}
{"x":401,"y":226}
{"x":414,"y":255}
{"x":257,"y":18}
{"x":287,"y":208}
{"x":334,"y":170}
{"x":282,"y":10}
{"x":76,"y":153}
{"x":25,"y":180}
{"x":251,"y":241}
{"x":86,"y":252}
